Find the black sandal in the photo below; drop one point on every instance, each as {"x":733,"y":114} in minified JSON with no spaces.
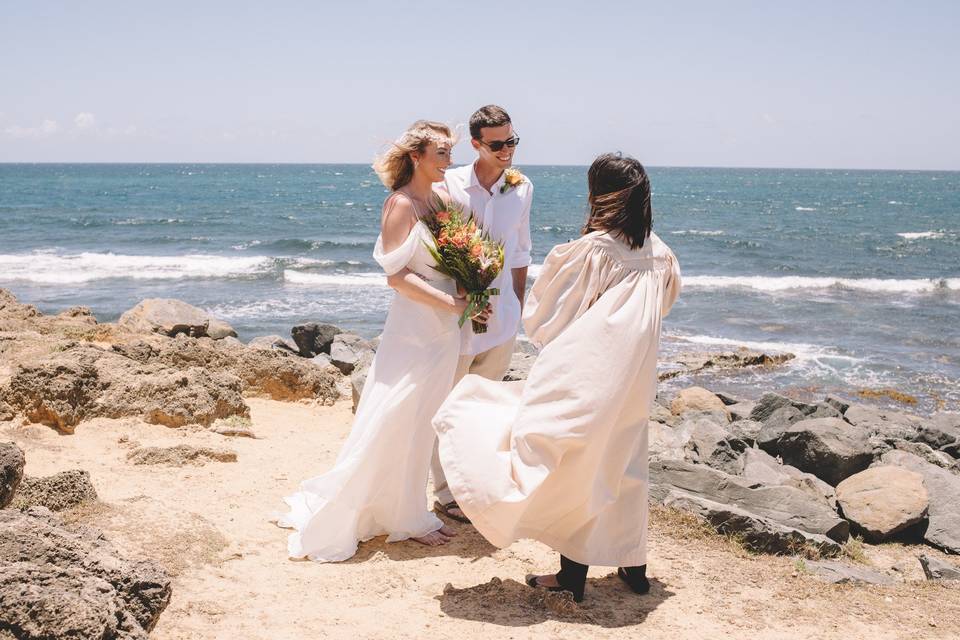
{"x":637,"y":580}
{"x":445,"y":510}
{"x":577,"y":595}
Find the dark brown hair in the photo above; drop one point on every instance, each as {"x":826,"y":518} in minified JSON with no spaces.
{"x":619,"y":198}
{"x":488,"y":116}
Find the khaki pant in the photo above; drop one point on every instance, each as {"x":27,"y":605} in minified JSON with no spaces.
{"x":491,"y":364}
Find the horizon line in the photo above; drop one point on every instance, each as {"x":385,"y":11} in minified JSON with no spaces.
{"x":364,"y":164}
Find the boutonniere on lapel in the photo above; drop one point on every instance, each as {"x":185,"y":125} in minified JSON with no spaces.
{"x":512,"y":178}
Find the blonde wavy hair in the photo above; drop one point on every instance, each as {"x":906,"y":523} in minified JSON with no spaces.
{"x":395,"y":165}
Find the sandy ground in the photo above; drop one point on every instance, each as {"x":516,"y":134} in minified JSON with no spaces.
{"x":209,"y":526}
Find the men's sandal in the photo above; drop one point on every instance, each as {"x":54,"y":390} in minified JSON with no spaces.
{"x":445,"y":510}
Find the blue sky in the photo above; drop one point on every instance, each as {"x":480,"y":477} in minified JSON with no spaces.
{"x":762,"y":84}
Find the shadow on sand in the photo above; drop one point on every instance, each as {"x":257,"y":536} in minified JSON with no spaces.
{"x":607,"y":603}
{"x":467,"y":544}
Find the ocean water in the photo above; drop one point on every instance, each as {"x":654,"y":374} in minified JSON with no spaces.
{"x":856,"y":272}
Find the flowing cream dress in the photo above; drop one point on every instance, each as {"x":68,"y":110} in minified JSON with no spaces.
{"x":378,"y":484}
{"x":562,"y":457}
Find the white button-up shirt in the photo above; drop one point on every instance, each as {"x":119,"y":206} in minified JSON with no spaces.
{"x":506,"y":217}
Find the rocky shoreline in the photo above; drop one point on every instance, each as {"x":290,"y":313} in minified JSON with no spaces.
{"x":775,"y":474}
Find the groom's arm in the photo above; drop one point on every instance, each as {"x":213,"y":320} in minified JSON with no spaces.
{"x":520,"y":284}
{"x":520,"y":260}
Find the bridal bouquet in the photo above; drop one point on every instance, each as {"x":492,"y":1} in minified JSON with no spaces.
{"x":465,"y":253}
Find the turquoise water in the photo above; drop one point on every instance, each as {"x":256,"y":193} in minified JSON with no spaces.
{"x":857,"y":272}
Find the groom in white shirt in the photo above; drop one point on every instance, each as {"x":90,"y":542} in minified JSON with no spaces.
{"x":500,"y":200}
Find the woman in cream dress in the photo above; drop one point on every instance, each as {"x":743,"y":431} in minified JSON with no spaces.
{"x":562,"y":458}
{"x":378,"y":484}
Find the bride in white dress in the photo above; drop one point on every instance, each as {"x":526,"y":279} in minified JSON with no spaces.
{"x":378,"y":484}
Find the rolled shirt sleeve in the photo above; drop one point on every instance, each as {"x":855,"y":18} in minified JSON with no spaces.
{"x":521,"y":254}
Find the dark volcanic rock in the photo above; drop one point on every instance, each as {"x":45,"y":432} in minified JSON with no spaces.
{"x":786,"y":505}
{"x":709,"y":442}
{"x":756,"y":533}
{"x":746,"y":430}
{"x":942,"y":432}
{"x":314,"y":338}
{"x":57,"y":492}
{"x":728,"y":399}
{"x":60,"y":582}
{"x":775,"y":425}
{"x":688,"y":363}
{"x":11,"y":471}
{"x":761,"y":469}
{"x":936,"y":569}
{"x":273,"y":342}
{"x":770,"y":402}
{"x":741,"y":410}
{"x":357,"y":379}
{"x":836,"y":572}
{"x":829,"y":448}
{"x":838,"y":403}
{"x":348,"y":351}
{"x":883,"y":422}
{"x":925,"y":451}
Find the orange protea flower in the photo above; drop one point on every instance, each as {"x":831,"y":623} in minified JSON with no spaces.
{"x":476,"y":250}
{"x":511,"y":178}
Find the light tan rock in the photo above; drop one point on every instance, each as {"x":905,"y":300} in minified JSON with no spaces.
{"x":882,"y":501}
{"x":167,"y":316}
{"x":697,"y":399}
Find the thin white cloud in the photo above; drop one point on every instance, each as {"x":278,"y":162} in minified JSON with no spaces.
{"x":130,"y":130}
{"x":85,"y":120}
{"x":46,"y":129}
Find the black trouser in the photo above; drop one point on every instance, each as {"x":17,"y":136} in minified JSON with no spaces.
{"x":573,"y":576}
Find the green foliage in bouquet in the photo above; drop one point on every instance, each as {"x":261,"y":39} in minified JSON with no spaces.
{"x":465,"y":253}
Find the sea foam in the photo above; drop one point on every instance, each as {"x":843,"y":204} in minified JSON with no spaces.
{"x":787,"y":283}
{"x":294,"y":276}
{"x":919,"y":235}
{"x":697,"y":232}
{"x":47,"y":267}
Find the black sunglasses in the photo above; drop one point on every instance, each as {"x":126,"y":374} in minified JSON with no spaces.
{"x":497,"y":145}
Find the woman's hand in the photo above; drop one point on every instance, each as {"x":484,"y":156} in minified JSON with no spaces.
{"x":460,"y":305}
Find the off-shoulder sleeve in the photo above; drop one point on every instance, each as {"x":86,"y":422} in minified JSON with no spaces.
{"x":573,"y":276}
{"x":394,"y":261}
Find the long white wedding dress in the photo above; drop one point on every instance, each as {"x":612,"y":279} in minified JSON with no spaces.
{"x":378,"y":484}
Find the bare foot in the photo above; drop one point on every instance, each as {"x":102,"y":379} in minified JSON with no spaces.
{"x":447,"y":531}
{"x":433,"y":539}
{"x":547,"y":581}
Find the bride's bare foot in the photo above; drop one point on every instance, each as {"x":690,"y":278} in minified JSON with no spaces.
{"x":433,"y":539}
{"x":547,"y":580}
{"x":447,"y":531}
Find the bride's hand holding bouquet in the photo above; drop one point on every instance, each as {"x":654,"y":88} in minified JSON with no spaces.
{"x":468,"y":255}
